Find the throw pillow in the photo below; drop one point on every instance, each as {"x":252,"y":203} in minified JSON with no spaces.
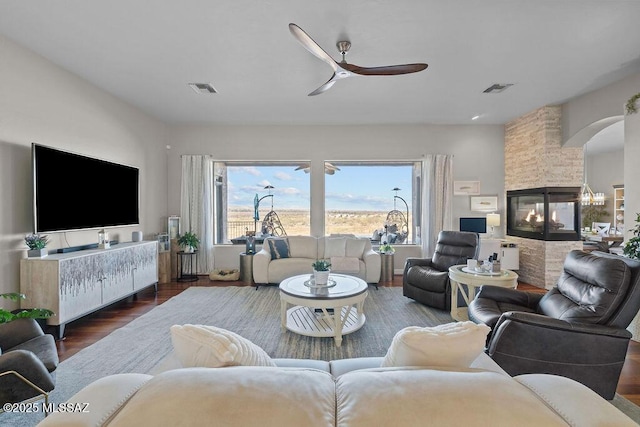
{"x":212,"y":347}
{"x":452,"y":345}
{"x":355,"y":247}
{"x":334,"y":247}
{"x":279,"y":248}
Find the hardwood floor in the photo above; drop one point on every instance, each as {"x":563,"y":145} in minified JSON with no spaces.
{"x":89,"y":329}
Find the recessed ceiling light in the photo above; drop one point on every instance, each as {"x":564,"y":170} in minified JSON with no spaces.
{"x":202,"y":87}
{"x":497,"y":87}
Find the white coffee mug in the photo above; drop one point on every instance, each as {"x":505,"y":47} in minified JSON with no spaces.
{"x":472,"y":263}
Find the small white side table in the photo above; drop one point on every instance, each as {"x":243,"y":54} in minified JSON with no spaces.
{"x":460,"y":274}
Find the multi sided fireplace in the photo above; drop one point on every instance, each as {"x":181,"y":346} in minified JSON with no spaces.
{"x":546,"y":213}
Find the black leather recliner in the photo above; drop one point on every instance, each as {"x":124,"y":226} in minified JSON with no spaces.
{"x":576,"y":330}
{"x":427,"y":280}
{"x":28,"y":360}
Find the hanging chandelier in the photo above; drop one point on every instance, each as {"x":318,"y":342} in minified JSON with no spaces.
{"x":588,"y":196}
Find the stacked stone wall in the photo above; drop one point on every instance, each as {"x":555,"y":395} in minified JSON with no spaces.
{"x":534,"y":157}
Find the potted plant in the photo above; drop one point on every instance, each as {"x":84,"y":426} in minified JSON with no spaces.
{"x":632,"y":246}
{"x":593,"y":213}
{"x":321,"y":270}
{"x":36,"y":244}
{"x":189,"y":241}
{"x":386,"y":248}
{"x":31,"y":313}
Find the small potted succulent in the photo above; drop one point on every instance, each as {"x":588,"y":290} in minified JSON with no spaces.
{"x":321,"y":270}
{"x":189,"y":242}
{"x":37,"y":245}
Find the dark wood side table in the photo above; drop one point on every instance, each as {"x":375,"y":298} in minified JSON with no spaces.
{"x":187,"y":266}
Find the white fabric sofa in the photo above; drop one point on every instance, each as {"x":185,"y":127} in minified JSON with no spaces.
{"x":348,"y":255}
{"x":350,"y":392}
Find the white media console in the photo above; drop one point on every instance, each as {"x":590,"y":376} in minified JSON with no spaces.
{"x":77,"y":283}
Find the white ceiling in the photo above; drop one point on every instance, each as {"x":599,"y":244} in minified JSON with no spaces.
{"x":146,"y":51}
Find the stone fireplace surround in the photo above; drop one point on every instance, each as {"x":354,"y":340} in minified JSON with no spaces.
{"x":534,"y":157}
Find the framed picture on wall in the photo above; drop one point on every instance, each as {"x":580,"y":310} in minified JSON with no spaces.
{"x":484,"y":203}
{"x":466,"y":188}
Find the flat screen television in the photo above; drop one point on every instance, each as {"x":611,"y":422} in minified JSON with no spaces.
{"x":476,"y":225}
{"x":75,"y":192}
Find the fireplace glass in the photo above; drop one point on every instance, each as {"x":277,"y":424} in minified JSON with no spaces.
{"x":547,"y":213}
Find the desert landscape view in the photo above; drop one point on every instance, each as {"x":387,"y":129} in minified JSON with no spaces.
{"x":297,"y":222}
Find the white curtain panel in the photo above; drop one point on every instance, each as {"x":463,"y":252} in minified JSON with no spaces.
{"x":196,"y":205}
{"x":437,"y":196}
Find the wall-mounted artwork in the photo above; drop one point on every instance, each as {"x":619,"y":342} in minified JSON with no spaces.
{"x":466,"y":188}
{"x":484,"y":203}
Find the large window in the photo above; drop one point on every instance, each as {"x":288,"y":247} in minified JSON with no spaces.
{"x":379,"y":200}
{"x":262,"y":197}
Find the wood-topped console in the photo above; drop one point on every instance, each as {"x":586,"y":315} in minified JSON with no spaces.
{"x":77,"y":283}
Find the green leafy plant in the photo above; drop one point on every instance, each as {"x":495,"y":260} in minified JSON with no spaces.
{"x":189,"y":239}
{"x":632,"y":246}
{"x":321,"y":265}
{"x":36,"y":241}
{"x":30,"y":313}
{"x":631,"y":104}
{"x":593,"y":213}
{"x":386,"y":248}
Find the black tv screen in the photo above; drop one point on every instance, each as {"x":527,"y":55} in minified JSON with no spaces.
{"x":476,"y":225}
{"x":74,"y":192}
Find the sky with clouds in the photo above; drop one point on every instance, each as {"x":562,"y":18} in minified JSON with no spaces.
{"x":362,"y":188}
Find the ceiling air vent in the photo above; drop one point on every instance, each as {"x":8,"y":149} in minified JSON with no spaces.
{"x":202,"y":88}
{"x":497,"y":88}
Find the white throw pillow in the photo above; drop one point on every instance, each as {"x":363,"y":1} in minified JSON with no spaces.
{"x":355,"y":247}
{"x":211,"y":347}
{"x":452,"y":344}
{"x":335,"y":247}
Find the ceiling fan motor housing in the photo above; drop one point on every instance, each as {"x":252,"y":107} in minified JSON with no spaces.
{"x":343,"y":47}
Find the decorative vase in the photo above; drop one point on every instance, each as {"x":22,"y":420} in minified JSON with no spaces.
{"x":321,"y":277}
{"x":188,"y":249}
{"x":37,"y":253}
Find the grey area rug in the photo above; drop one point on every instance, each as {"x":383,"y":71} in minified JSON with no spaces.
{"x":142,"y":344}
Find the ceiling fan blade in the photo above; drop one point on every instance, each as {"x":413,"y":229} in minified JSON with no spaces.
{"x":389,"y":70}
{"x":312,"y":46}
{"x":325,"y":86}
{"x":329,"y":169}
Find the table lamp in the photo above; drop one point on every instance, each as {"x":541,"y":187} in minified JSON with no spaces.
{"x":493,"y":220}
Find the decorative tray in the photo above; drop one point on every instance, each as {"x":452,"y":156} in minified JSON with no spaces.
{"x":481,"y":271}
{"x":311,"y":283}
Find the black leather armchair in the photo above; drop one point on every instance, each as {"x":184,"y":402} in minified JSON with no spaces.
{"x":576,"y":330}
{"x":28,"y":360}
{"x":427,"y":280}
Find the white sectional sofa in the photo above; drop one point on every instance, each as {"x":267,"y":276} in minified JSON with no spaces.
{"x":348,"y":255}
{"x":350,"y":392}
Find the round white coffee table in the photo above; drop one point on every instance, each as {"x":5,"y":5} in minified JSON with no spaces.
{"x":462,"y":274}
{"x":323,"y":311}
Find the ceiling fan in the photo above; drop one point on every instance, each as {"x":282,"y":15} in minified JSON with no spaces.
{"x":329,"y":168}
{"x":342,"y":70}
